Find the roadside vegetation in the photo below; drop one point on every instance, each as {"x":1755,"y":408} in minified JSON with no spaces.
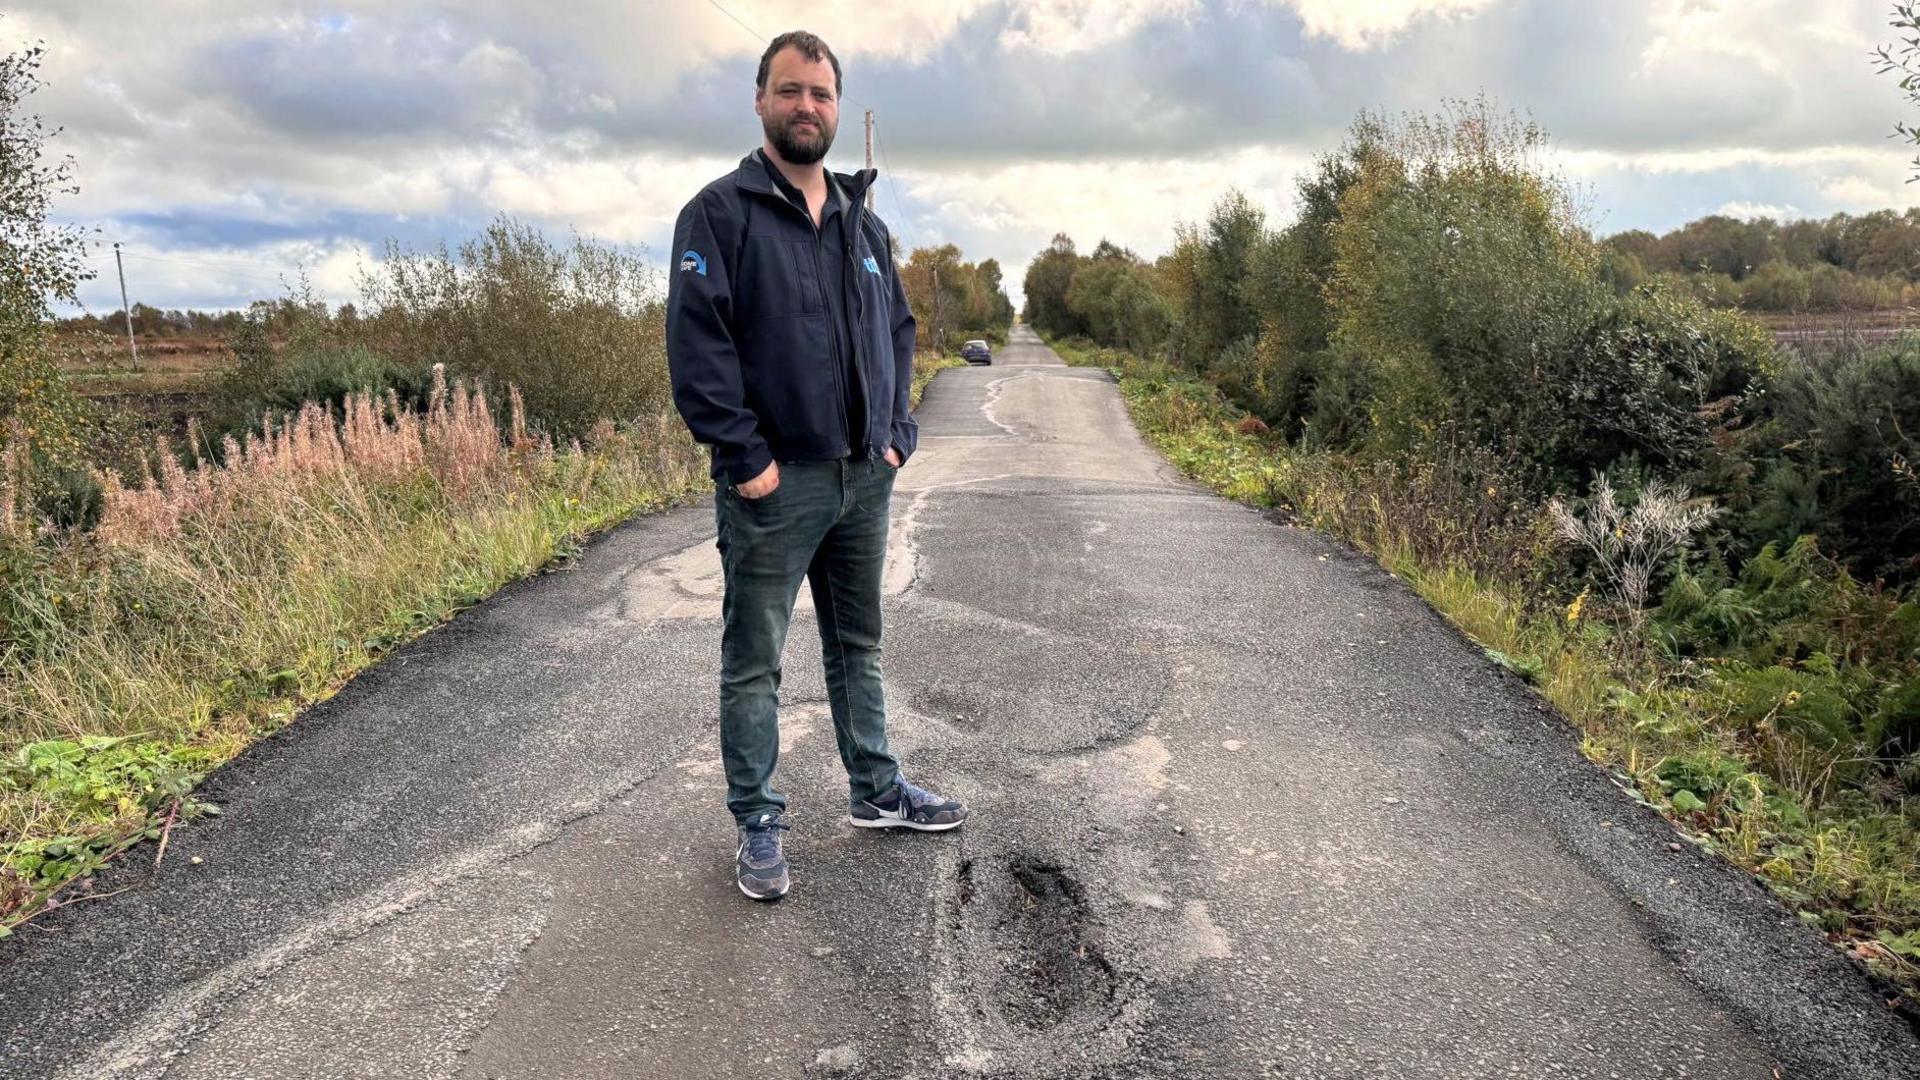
{"x":1699,"y":544}
{"x":349,"y":479}
{"x":954,"y":300}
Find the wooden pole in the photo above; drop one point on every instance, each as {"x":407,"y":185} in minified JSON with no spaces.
{"x":126,"y":308}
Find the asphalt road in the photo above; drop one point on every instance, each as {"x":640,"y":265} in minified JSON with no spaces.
{"x":1243,"y":807}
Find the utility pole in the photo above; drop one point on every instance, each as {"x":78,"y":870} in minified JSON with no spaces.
{"x":126,"y":308}
{"x":870,"y":158}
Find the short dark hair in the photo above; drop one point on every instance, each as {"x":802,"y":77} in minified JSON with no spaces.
{"x":810,"y":47}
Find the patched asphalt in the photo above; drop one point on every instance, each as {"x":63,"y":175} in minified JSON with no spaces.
{"x":1244,"y":807}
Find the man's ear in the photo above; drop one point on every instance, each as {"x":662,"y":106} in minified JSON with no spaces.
{"x":759,"y":101}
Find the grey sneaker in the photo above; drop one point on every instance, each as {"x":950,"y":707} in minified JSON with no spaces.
{"x":759,"y":866}
{"x":904,"y":806}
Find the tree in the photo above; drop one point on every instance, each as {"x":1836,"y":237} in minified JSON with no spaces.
{"x":1904,"y":60}
{"x":1001,"y":314}
{"x":1223,"y":311}
{"x":1049,"y":276}
{"x":952,"y":299}
{"x":40,"y":262}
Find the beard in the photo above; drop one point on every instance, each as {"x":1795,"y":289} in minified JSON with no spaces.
{"x":799,"y":147}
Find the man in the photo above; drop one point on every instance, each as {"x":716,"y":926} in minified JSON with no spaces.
{"x":791,"y":350}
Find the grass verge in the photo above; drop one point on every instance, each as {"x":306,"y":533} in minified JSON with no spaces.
{"x":209,"y":606}
{"x":1845,"y":856}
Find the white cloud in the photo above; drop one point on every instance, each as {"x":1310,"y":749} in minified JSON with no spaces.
{"x":626,"y":201}
{"x":1857,"y":192}
{"x":1719,"y":159}
{"x":1010,"y":213}
{"x":1750,"y":211}
{"x":1060,"y":27}
{"x":1362,"y":24}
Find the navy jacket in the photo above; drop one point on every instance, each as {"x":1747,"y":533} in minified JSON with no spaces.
{"x":749,"y":345}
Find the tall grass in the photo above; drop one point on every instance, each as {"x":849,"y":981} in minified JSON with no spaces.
{"x":211,"y":602}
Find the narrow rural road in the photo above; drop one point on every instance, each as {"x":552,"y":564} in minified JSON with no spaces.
{"x":1244,"y":807}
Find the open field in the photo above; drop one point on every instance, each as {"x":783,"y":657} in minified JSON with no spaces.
{"x":102,"y":367}
{"x":1838,"y":327}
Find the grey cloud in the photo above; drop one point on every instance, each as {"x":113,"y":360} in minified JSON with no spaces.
{"x":397,"y":75}
{"x":1241,"y":74}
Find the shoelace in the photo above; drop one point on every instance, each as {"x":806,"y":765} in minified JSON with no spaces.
{"x":916,"y":796}
{"x":763,"y":841}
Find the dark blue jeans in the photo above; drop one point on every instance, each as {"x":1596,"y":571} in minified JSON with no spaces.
{"x":826,"y":522}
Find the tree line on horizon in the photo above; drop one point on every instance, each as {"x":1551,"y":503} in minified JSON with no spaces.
{"x":1843,"y":262}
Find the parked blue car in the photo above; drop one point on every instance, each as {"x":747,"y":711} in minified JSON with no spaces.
{"x":976,"y":352}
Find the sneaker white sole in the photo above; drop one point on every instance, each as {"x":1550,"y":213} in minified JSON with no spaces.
{"x":897,"y":823}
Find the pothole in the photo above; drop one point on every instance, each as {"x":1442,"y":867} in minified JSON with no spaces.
{"x":1030,"y":923}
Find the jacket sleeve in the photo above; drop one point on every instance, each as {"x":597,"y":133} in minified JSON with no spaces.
{"x":906,"y":430}
{"x":702,"y":359}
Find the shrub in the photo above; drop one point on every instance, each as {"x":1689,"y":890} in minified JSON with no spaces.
{"x":1465,"y":293}
{"x":1838,"y":431}
{"x":1777,"y":286}
{"x":575,"y":326}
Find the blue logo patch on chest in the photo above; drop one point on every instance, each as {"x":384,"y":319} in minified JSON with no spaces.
{"x":694,"y":261}
{"x":872,"y":266}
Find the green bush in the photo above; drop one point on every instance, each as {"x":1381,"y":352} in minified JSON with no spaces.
{"x":1803,"y":646}
{"x":1833,"y":289}
{"x":320,"y":363}
{"x":1835,"y":455}
{"x":576,"y":327}
{"x":1777,"y":286}
{"x":329,"y":375}
{"x":1113,"y":293}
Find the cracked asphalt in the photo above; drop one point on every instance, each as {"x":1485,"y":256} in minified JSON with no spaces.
{"x":1243,"y":807}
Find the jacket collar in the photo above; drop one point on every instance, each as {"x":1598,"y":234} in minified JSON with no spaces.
{"x":849,"y":189}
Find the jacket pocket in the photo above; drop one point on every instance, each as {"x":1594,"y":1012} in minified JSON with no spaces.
{"x":777,"y":280}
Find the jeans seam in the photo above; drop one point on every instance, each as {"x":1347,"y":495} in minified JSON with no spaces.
{"x":840,"y":649}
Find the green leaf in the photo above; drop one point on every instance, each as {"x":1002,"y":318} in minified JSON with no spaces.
{"x":1687,"y":802}
{"x":1526,"y":667}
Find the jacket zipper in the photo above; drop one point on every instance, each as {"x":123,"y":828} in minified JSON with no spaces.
{"x":833,"y":340}
{"x":849,"y":270}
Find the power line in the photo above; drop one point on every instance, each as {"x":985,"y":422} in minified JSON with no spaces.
{"x":196,"y":260}
{"x":736,"y":19}
{"x":899,"y":203}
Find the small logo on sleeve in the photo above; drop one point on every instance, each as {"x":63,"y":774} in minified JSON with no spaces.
{"x":695,"y":262}
{"x":872,"y":266}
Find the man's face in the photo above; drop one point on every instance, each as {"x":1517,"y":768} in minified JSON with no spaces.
{"x":798,"y":108}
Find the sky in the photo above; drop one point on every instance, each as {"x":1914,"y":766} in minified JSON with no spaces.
{"x":227,"y":144}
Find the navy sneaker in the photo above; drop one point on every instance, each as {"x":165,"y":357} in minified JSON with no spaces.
{"x":759,"y":865}
{"x":904,"y":806}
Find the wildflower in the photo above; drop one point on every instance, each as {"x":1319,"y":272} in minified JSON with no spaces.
{"x":1579,"y":604}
